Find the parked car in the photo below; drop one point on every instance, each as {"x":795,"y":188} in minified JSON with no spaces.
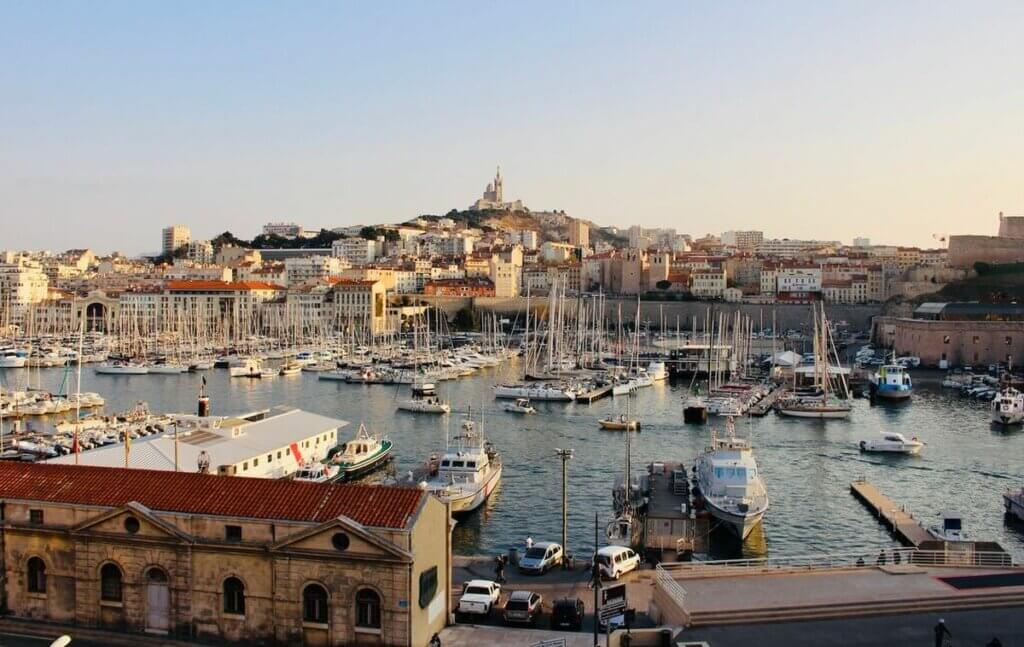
{"x":616,"y":561}
{"x":567,"y":614}
{"x":479,"y":597}
{"x":522,"y":607}
{"x":540,"y":558}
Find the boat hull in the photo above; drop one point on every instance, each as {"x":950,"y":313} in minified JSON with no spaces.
{"x":1007,"y":419}
{"x":739,"y":525}
{"x":354,"y":472}
{"x":695,"y":415}
{"x":534,"y":393}
{"x":470,"y":501}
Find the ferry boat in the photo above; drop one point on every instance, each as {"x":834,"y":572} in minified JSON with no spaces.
{"x":891,"y":382}
{"x":424,"y":400}
{"x":729,"y":482}
{"x":468,"y":472}
{"x":1008,"y":407}
{"x":361,"y":455}
{"x":892,"y":443}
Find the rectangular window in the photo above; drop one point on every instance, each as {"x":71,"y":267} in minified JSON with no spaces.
{"x":232,"y":533}
{"x":35,"y":516}
{"x":428,"y":586}
{"x":270,"y":457}
{"x":255,"y":462}
{"x":976,"y":339}
{"x":245,"y":466}
{"x":1009,"y":340}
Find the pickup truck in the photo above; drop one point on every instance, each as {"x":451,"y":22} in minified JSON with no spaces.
{"x":479,"y":597}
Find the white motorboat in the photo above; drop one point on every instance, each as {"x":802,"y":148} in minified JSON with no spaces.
{"x":521,"y":405}
{"x":121,"y":368}
{"x":730,"y":483}
{"x":892,"y":443}
{"x":1008,"y":407}
{"x":657,"y":371}
{"x":291,"y":368}
{"x":951,"y":528}
{"x":468,"y":472}
{"x":11,"y":359}
{"x":317,"y":473}
{"x":424,"y":400}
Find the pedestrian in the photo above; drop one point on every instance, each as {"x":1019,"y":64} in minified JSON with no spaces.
{"x":529,"y":543}
{"x":435,"y":641}
{"x":942,"y":634}
{"x":860,"y":561}
{"x":881,"y":558}
{"x":499,"y":570}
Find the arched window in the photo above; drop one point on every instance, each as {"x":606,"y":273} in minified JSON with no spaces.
{"x":314,"y":604}
{"x":110,"y":583}
{"x":36,"y":575}
{"x":367,"y":609}
{"x":234,"y":596}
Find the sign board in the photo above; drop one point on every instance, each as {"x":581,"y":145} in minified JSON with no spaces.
{"x":613,"y":602}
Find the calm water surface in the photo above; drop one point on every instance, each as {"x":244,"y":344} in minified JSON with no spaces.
{"x":807,"y":465}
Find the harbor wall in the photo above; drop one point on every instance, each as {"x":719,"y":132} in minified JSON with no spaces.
{"x":787,"y":316}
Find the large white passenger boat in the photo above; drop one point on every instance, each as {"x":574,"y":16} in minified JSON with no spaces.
{"x":730,"y":483}
{"x":468,"y":472}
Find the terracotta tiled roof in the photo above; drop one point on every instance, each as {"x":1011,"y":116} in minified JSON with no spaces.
{"x":222,"y":285}
{"x":192,"y":493}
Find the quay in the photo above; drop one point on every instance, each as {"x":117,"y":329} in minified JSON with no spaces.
{"x":902,"y":524}
{"x":766,"y":403}
{"x":594,"y":394}
{"x":670,"y":531}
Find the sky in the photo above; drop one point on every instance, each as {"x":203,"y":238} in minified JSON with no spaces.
{"x":895,"y":121}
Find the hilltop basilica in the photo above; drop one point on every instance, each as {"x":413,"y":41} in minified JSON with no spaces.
{"x":492,"y":198}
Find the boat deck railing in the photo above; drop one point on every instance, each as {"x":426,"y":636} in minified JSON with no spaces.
{"x":884,"y":557}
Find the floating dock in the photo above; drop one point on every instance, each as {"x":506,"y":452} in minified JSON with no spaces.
{"x":767,"y":402}
{"x":594,"y":394}
{"x":902,"y":524}
{"x":669,"y":527}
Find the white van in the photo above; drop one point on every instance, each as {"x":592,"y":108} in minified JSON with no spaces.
{"x":616,"y":561}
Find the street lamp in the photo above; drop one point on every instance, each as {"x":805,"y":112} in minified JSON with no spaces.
{"x":565,"y":455}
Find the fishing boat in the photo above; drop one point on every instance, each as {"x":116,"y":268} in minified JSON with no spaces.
{"x":469,"y":471}
{"x":521,"y":405}
{"x":730,"y":483}
{"x":891,"y":382}
{"x":291,"y":368}
{"x":1008,"y":407}
{"x":891,"y":442}
{"x":361,"y":455}
{"x":424,"y":400}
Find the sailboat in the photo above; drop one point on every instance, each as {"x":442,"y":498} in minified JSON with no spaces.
{"x":424,"y":399}
{"x":823,"y":403}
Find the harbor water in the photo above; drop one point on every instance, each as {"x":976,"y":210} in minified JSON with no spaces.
{"x":807,"y":465}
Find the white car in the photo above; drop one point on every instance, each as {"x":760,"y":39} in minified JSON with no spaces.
{"x":540,"y":558}
{"x":479,"y":596}
{"x":616,"y":561}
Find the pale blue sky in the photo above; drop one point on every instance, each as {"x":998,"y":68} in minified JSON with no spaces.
{"x":806,"y":119}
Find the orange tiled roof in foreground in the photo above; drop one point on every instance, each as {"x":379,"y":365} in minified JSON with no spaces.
{"x":193,"y":493}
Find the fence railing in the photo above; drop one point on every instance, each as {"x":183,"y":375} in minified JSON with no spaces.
{"x":670,"y":585}
{"x":884,"y":557}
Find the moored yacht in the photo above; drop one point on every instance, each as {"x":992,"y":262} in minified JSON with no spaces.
{"x":121,"y":368}
{"x":246,"y":367}
{"x":424,"y":400}
{"x":730,"y":483}
{"x":1008,"y":407}
{"x":535,"y":391}
{"x":468,"y":472}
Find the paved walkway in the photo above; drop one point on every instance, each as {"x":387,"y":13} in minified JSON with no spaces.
{"x":969,"y":629}
{"x":869,"y":584}
{"x":477,"y":636}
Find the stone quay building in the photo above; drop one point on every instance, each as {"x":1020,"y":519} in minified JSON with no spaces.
{"x":223,"y":559}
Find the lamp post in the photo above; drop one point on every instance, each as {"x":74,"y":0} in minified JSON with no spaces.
{"x":565,"y":455}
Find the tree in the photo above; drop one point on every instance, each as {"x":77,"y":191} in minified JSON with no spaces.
{"x":227,"y":238}
{"x":466,"y":319}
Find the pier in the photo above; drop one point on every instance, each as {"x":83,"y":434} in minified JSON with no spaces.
{"x":594,"y":394}
{"x":669,"y":527}
{"x":902,"y":524}
{"x":767,"y":402}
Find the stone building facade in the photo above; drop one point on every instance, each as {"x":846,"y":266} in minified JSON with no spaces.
{"x":223,"y":559}
{"x":943,"y":343}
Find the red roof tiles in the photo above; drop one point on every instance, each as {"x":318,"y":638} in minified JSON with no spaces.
{"x":192,"y":493}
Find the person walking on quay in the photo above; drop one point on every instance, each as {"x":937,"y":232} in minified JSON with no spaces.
{"x":499,"y":570}
{"x":942,"y":634}
{"x":529,"y":543}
